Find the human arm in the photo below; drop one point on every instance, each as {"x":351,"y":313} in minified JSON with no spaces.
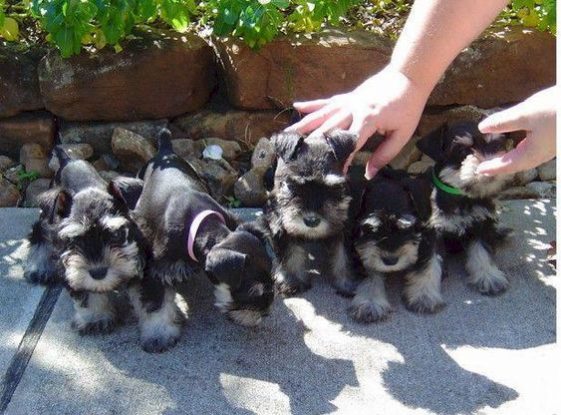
{"x":391,"y":102}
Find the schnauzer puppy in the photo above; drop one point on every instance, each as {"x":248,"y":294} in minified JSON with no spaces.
{"x":393,"y":235}
{"x":464,"y":212}
{"x":85,"y":233}
{"x":188,"y":232}
{"x":307,"y":211}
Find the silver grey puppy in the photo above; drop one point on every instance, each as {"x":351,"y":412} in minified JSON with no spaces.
{"x":307,"y":211}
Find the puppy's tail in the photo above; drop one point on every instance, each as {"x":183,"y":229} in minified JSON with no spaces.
{"x":62,"y":156}
{"x":164,"y":141}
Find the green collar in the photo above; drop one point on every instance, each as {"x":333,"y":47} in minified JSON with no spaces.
{"x":444,"y":187}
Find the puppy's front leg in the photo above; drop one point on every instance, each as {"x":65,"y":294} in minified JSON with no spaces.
{"x":422,"y":289}
{"x":370,"y":303}
{"x":343,"y":278}
{"x":94,"y":313}
{"x":291,"y":273}
{"x":483,"y":273}
{"x":41,"y":263}
{"x":158,"y":315}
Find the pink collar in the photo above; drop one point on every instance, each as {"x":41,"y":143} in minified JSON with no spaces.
{"x":195,"y":227}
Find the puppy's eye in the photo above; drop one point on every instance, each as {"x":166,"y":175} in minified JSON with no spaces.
{"x":406,"y":221}
{"x":119,"y":236}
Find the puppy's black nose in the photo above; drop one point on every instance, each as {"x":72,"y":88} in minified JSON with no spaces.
{"x":98,"y":273}
{"x":390,"y":260}
{"x":311,"y":221}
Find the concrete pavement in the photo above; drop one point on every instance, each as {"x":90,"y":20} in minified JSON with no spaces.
{"x":479,"y":355}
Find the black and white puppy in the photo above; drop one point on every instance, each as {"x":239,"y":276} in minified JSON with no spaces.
{"x":393,"y":235}
{"x":190,"y":232}
{"x":307,"y":211}
{"x":85,"y":234}
{"x":464,"y":212}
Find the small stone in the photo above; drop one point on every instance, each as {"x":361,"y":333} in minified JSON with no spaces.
{"x":39,"y":166}
{"x":250,"y":190}
{"x":132,"y":150}
{"x":108,"y":175}
{"x":547,"y":171}
{"x":524,"y":177}
{"x":263,"y":155}
{"x":408,"y":155}
{"x":33,"y":190}
{"x":219,"y":175}
{"x":32,"y":150}
{"x":231,"y":149}
{"x":76,"y":151}
{"x":213,"y":152}
{"x":9,"y":194}
{"x":420,"y":166}
{"x":12,"y":174}
{"x":187,"y":148}
{"x":6,"y":163}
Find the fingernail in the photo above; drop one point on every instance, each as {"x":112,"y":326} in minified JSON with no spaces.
{"x":369,"y":173}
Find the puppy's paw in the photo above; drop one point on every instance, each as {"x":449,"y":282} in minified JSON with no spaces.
{"x":494,"y":283}
{"x":102,"y":325}
{"x":292,"y":288}
{"x":369,"y":311}
{"x":424,"y":304}
{"x":41,"y":276}
{"x":346,"y":287}
{"x":159,"y":344}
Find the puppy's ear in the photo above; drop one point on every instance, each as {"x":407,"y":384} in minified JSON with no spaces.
{"x":433,"y":143}
{"x":55,"y":204}
{"x":286,"y":145}
{"x":226,"y":266}
{"x":342,"y":143}
{"x":419,"y":190}
{"x":127,"y":188}
{"x":114,"y":190}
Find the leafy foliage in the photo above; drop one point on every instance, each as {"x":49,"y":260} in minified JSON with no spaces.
{"x":74,"y":24}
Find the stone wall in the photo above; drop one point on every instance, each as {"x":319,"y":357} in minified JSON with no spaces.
{"x":107,"y":107}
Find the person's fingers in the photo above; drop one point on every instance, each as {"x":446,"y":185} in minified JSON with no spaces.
{"x":340,"y":120}
{"x":310,"y":106}
{"x":362,"y":139}
{"x":312,"y":121}
{"x":386,"y":151}
{"x":512,"y":119}
{"x":515,"y":160}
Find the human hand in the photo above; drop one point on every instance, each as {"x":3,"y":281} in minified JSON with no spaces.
{"x":388,"y":103}
{"x":536,"y":116}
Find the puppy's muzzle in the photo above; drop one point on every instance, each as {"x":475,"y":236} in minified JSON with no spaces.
{"x":98,"y":273}
{"x":390,"y":260}
{"x":311,"y":220}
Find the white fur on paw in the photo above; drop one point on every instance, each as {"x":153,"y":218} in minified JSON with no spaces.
{"x":98,"y":317}
{"x":422,"y":291}
{"x":492,"y":283}
{"x":484,"y":275}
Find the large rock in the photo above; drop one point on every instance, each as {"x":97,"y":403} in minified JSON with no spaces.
{"x":9,"y":194}
{"x":155,"y":76}
{"x":187,"y":148}
{"x":263,"y":155}
{"x":298,"y":68}
{"x":501,"y":67}
{"x":98,"y":134}
{"x":132,"y":150}
{"x":35,"y":127}
{"x":243,"y":126}
{"x":19,"y":84}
